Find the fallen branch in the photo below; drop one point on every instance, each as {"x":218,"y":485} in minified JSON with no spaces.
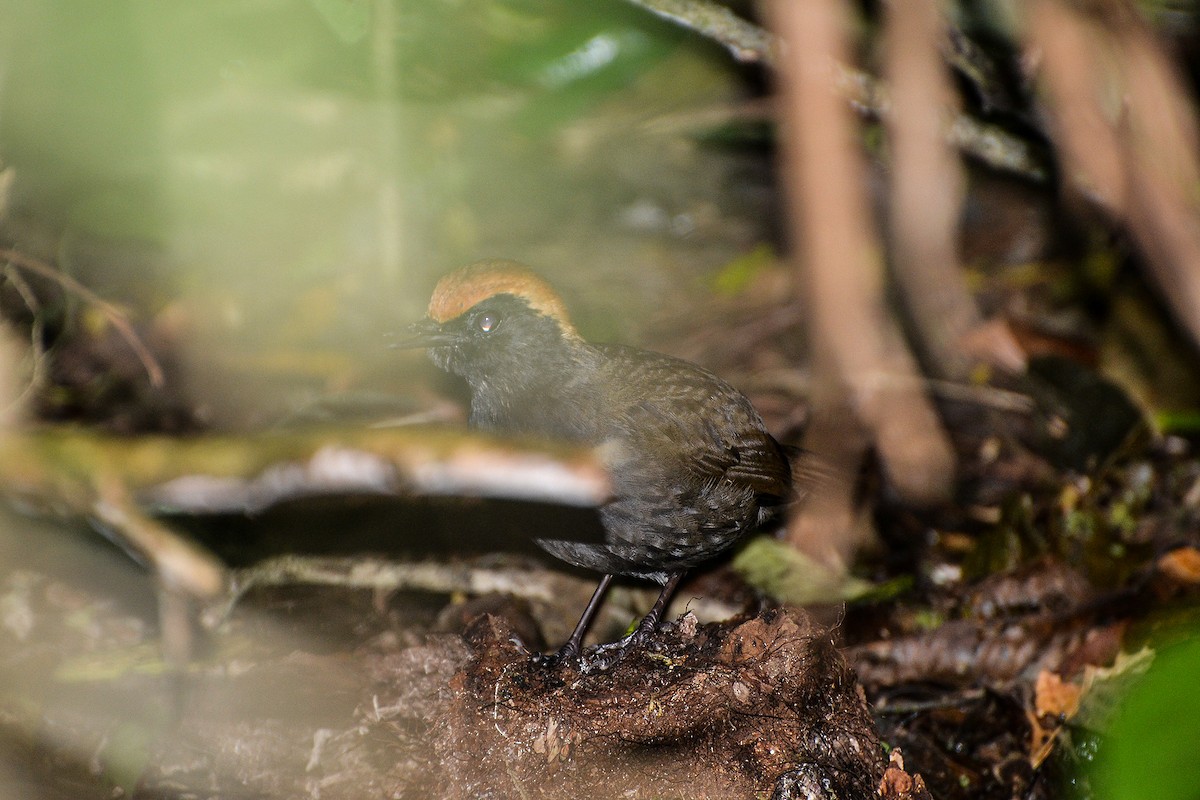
{"x":114,"y":315}
{"x":179,"y":563}
{"x":370,"y":573}
{"x":750,"y":43}
{"x":744,"y":40}
{"x":63,"y":468}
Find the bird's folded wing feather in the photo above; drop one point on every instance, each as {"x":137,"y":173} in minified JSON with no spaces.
{"x":750,"y":457}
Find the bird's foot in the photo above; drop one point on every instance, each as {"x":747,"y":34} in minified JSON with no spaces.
{"x":568,"y":652}
{"x":606,"y":656}
{"x":597,"y":658}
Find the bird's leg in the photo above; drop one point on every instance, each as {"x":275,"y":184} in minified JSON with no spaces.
{"x":606,"y":655}
{"x":649,"y":623}
{"x":574,"y":644}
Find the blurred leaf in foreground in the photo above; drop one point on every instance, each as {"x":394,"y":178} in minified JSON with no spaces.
{"x":1149,"y":751}
{"x":780,"y":570}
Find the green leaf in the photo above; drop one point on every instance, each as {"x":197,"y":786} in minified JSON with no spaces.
{"x":736,"y":276}
{"x":780,"y":570}
{"x":1149,"y":750}
{"x":349,"y":19}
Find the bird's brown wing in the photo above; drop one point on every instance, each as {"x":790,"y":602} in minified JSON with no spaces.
{"x":713,"y":453}
{"x":761,"y":464}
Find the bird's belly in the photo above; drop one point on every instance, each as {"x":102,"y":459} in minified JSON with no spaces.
{"x":649,"y":540}
{"x":671,"y":536}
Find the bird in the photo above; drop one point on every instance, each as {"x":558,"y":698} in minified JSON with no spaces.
{"x":692,"y":466}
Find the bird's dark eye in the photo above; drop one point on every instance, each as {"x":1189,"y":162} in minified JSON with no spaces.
{"x":487,"y":322}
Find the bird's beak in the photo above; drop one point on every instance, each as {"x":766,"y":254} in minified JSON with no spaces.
{"x":425,"y":333}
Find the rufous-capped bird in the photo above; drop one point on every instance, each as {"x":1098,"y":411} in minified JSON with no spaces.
{"x":693,"y":468}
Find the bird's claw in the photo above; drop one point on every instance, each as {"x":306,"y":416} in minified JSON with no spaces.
{"x":568,"y":652}
{"x":601,"y":657}
{"x":609,"y":655}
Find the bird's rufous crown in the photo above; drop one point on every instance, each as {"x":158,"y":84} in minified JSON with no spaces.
{"x":464,"y":288}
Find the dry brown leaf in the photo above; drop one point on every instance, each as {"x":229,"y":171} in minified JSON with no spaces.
{"x":1181,"y":565}
{"x":1055,"y":697}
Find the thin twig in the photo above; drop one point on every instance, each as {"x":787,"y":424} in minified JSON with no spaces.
{"x":37,"y":329}
{"x":744,"y":40}
{"x":372,"y":573}
{"x":114,"y":315}
{"x":793,"y":382}
{"x":750,"y":43}
{"x":180,"y":564}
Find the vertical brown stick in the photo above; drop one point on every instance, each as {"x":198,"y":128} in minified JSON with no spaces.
{"x":860,"y":361}
{"x":926,"y":194}
{"x":1072,"y":78}
{"x":1165,"y":170}
{"x":1127,"y":132}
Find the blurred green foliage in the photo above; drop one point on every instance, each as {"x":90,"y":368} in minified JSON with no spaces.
{"x":292,"y":175}
{"x":191,"y":124}
{"x":1148,"y":749}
